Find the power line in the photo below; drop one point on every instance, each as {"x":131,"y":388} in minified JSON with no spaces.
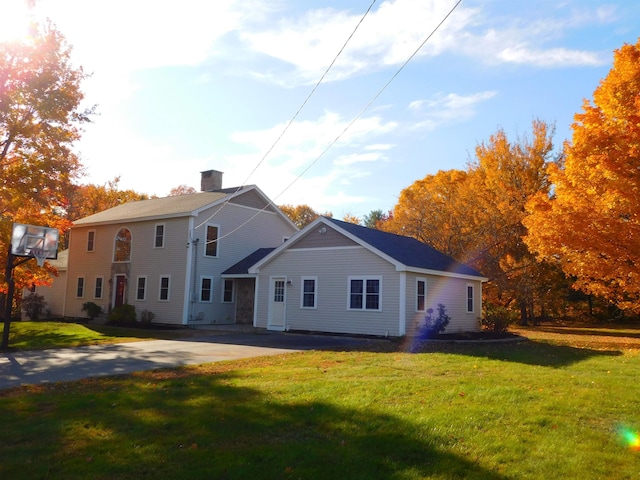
{"x":360,"y":113}
{"x":313,"y":90}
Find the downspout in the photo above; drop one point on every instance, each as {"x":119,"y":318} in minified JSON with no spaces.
{"x":192,"y":294}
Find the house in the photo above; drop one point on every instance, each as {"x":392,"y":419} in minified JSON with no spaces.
{"x":166,"y":255}
{"x":338,"y":277}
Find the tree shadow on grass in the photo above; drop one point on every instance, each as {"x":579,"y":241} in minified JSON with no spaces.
{"x":207,"y":426}
{"x":529,"y":352}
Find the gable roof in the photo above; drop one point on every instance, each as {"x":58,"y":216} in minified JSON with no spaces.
{"x":405,"y":252}
{"x":171,"y":207}
{"x":242,"y":267}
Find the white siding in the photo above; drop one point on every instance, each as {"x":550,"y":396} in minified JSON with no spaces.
{"x":452,"y":293}
{"x":332,"y":267}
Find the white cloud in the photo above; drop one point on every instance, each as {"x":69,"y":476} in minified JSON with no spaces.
{"x":550,"y":58}
{"x":446,"y":109}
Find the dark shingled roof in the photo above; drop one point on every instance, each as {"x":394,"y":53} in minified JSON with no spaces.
{"x":406,"y":250}
{"x":242,"y":267}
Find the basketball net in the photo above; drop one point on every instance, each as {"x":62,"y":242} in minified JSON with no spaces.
{"x":40,"y":254}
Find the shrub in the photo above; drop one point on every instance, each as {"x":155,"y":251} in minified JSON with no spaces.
{"x":434,"y":324}
{"x":33,"y":306}
{"x":123,"y":315}
{"x":497,"y":318}
{"x":92,"y":309}
{"x":146,"y":317}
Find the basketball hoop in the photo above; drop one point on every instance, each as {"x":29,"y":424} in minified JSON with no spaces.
{"x":40,"y":254}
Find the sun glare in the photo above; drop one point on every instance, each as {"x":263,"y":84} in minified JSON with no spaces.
{"x":15,"y":21}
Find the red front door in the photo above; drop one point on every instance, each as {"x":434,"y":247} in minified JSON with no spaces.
{"x":120,"y":284}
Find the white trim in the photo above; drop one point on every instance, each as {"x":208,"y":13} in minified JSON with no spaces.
{"x":233,"y":290}
{"x":84,"y":286}
{"x":315,"y":293}
{"x":364,"y":279}
{"x":168,"y":299}
{"x":217,"y":242}
{"x":93,"y":246}
{"x":155,"y":234}
{"x":202,"y":278}
{"x":146,"y":287}
{"x":473,"y":298}
{"x":415,"y":298}
{"x":95,"y":284}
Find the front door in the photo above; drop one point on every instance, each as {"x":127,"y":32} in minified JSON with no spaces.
{"x":277,"y":294}
{"x":118,"y":298}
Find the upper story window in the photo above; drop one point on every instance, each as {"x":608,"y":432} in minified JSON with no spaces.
{"x":91,"y":240}
{"x":122,"y":248}
{"x":211,"y":245}
{"x":159,"y":236}
{"x":309,"y":287}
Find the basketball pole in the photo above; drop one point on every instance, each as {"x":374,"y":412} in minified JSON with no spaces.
{"x":8,"y":300}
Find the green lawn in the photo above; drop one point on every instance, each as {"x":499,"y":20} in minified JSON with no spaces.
{"x":534,"y":410}
{"x":40,"y":335}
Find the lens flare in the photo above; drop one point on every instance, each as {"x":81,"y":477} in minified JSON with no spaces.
{"x":630,"y":438}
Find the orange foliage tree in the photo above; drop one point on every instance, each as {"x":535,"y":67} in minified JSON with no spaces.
{"x":591,"y":223}
{"x":40,"y":118}
{"x":302,"y":215}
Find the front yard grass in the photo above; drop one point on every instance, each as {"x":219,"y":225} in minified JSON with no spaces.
{"x":545,"y":408}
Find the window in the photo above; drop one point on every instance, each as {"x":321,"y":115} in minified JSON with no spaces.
{"x":227,"y":291}
{"x":278,"y":291}
{"x":309,"y":292}
{"x":469,"y":298}
{"x":91,"y":240}
{"x":98,"y":290}
{"x":159,"y":237}
{"x":364,"y":293}
{"x":206,"y":285}
{"x":141,"y":288}
{"x":421,"y":294}
{"x":211,"y":247}
{"x":122,"y":250}
{"x":80,"y":287}
{"x":164,"y":288}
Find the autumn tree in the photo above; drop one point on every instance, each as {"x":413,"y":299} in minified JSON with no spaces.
{"x":182,"y":190}
{"x":375,"y":219}
{"x":432,"y":210}
{"x":88,"y":199}
{"x":591,"y":223}
{"x":351,"y":218}
{"x":301,"y":215}
{"x":40,"y":119}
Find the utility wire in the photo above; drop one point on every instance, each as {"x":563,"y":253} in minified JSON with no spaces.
{"x":313,"y":90}
{"x":365,"y":108}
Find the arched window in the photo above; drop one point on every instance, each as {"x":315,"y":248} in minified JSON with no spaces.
{"x":122,"y":250}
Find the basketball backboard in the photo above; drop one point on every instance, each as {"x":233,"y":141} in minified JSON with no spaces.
{"x":25,"y":238}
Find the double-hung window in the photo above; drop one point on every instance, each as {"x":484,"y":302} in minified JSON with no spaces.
{"x":227,"y":291}
{"x":98,"y":290}
{"x":211,"y":244}
{"x":159,"y":236}
{"x":163,"y":294}
{"x":206,"y":289}
{"x":470,"y":299}
{"x":141,"y":288}
{"x":80,"y":287}
{"x":309,"y":292}
{"x":91,"y":240}
{"x":365,"y":293}
{"x":421,"y":294}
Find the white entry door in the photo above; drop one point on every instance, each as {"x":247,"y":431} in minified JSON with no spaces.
{"x":277,"y":295}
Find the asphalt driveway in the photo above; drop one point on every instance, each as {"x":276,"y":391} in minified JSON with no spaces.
{"x":56,"y":365}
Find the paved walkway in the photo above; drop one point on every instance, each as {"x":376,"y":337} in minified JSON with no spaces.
{"x":55,"y":365}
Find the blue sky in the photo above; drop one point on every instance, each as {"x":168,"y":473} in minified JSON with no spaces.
{"x":187,"y":86}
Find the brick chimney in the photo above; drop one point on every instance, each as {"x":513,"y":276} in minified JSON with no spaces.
{"x":210,"y":180}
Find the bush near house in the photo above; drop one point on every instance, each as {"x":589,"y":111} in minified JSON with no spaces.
{"x":93,"y":310}
{"x":34,"y":306}
{"x":123,"y":315}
